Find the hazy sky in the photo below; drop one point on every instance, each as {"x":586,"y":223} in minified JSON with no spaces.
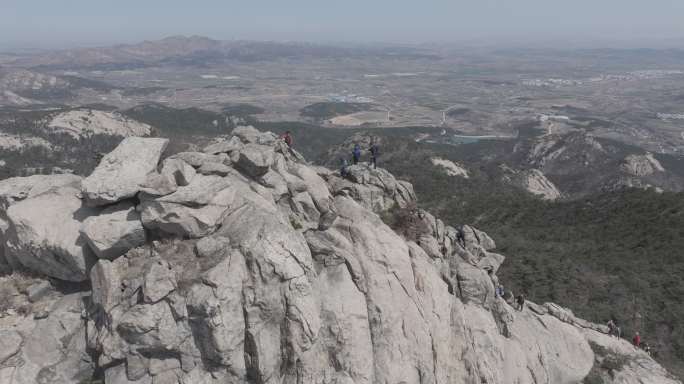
{"x":42,"y":23}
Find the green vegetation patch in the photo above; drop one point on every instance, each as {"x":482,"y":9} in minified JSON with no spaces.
{"x":188,"y":121}
{"x":327,"y":110}
{"x":141,"y":91}
{"x":242,"y":110}
{"x":457,"y":112}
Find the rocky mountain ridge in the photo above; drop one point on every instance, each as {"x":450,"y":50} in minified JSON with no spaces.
{"x":244,"y":264}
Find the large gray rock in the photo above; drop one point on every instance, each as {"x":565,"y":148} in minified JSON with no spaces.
{"x":106,"y":284}
{"x":194,"y":210}
{"x":215,"y":169}
{"x":120,"y":173}
{"x":51,"y":350}
{"x":375,"y":189}
{"x":255,"y":159}
{"x":114,"y":231}
{"x":158,"y":184}
{"x":158,"y":282}
{"x":16,"y":189}
{"x":39,"y":290}
{"x":197,"y":159}
{"x":44,"y":234}
{"x":178,"y":170}
{"x":249,"y":134}
{"x":226,"y":145}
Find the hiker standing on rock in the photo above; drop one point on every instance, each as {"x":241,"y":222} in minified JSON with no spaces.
{"x":521,"y":302}
{"x":611,"y":327}
{"x":356,"y":153}
{"x":375,"y":152}
{"x":636,"y":340}
{"x":460,"y":237}
{"x":343,"y":169}
{"x":287,"y":138}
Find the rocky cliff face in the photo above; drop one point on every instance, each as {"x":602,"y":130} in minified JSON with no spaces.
{"x":243,"y":264}
{"x":533,"y":181}
{"x":641,"y":165}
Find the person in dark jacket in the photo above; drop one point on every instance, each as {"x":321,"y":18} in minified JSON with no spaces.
{"x":611,"y":327}
{"x":521,"y":302}
{"x":356,"y":154}
{"x":374,"y":152}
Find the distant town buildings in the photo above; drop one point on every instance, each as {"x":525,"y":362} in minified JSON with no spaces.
{"x":544,"y":118}
{"x":648,"y":74}
{"x":351,"y":98}
{"x":670,"y":116}
{"x":550,"y":82}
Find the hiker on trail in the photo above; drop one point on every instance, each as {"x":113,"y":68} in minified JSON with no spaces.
{"x":611,"y":327}
{"x":521,"y":302}
{"x":500,"y":291}
{"x":287,"y":138}
{"x":343,"y":169}
{"x":460,"y":237}
{"x":375,"y":152}
{"x":356,"y":153}
{"x":647,"y":349}
{"x":636,"y":340}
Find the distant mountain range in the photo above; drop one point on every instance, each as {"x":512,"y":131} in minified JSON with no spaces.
{"x":194,"y":50}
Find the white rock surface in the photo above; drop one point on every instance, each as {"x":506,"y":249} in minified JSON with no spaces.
{"x":44,"y":234}
{"x":451,"y":168}
{"x":15,"y":189}
{"x":376,"y":189}
{"x":84,"y":122}
{"x":641,"y":165}
{"x":11,"y":142}
{"x":122,"y":171}
{"x":535,"y":182}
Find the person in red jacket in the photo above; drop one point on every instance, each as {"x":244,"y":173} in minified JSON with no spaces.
{"x":637,"y":340}
{"x":287,"y":138}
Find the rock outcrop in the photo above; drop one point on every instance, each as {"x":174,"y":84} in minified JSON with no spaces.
{"x":535,"y":182}
{"x":273,"y":271}
{"x":43,"y":233}
{"x":114,"y":231}
{"x":641,"y":165}
{"x":451,"y":168}
{"x":84,"y":122}
{"x":531,"y":180}
{"x":122,"y":171}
